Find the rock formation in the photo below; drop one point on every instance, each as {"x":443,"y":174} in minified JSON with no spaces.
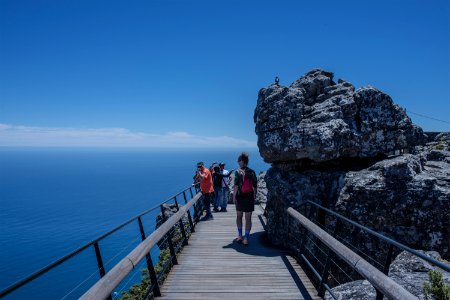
{"x":334,"y":145}
{"x":317,"y":120}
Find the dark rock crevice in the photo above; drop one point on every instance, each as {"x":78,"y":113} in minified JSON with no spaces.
{"x":339,"y":164}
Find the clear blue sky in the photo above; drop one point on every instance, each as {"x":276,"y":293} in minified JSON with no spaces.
{"x":192,"y":69}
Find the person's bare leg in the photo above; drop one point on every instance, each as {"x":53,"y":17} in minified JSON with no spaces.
{"x":239,"y":215}
{"x":248,"y":226}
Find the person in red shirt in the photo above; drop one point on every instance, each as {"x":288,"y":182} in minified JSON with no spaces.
{"x":206,"y":186}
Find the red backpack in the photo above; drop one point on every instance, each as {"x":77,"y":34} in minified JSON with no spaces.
{"x":247,"y":183}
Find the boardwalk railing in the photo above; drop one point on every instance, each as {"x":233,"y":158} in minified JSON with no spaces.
{"x":319,"y":249}
{"x":104,"y":287}
{"x":164,"y":234}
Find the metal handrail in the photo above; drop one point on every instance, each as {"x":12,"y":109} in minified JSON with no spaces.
{"x":379,"y":280}
{"x":384,"y":238}
{"x":106,"y":285}
{"x":94,"y":242}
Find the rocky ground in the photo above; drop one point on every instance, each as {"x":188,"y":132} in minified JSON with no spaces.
{"x":407,"y":270}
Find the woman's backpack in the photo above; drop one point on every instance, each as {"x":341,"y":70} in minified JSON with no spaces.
{"x":247,"y":182}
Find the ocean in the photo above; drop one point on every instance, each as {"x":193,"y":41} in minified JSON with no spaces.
{"x":54,"y":200}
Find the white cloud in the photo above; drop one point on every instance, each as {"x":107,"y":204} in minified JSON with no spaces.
{"x":15,"y":135}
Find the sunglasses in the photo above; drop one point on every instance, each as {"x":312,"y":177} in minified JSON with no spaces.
{"x":198,"y":167}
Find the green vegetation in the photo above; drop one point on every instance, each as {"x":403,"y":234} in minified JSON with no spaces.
{"x":138,"y":291}
{"x":439,"y":147}
{"x":438,"y":289}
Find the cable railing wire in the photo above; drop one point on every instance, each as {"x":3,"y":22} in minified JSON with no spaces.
{"x":358,"y":251}
{"x":428,"y":117}
{"x":335,"y":271}
{"x":384,"y":238}
{"x":80,"y":284}
{"x":124,"y":285}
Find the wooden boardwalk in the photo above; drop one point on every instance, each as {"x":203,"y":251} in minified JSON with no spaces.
{"x":213,"y":266}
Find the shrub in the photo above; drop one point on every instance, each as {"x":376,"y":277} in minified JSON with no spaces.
{"x":438,"y":289}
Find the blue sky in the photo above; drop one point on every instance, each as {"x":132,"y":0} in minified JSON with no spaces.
{"x":187,"y":73}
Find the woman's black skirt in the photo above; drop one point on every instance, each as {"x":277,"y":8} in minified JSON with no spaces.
{"x":245,"y":202}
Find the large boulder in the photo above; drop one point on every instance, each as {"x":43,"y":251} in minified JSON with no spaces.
{"x":332,"y":144}
{"x":320,"y":120}
{"x":406,"y":198}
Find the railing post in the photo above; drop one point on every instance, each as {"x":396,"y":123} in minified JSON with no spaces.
{"x":326,"y":269}
{"x":150,"y":267}
{"x":169,"y":239}
{"x":387,"y":264}
{"x":305,"y":232}
{"x":190,"y":190}
{"x":101,"y":268}
{"x":191,"y":224}
{"x":180,"y":223}
{"x":386,"y":269}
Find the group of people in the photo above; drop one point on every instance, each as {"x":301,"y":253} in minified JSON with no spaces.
{"x":214,"y":184}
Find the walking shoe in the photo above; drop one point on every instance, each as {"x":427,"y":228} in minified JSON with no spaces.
{"x":223,"y":210}
{"x":245,"y":242}
{"x":215,"y":209}
{"x":239,"y":239}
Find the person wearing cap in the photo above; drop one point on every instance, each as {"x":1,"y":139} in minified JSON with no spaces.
{"x":224,"y":191}
{"x":220,"y":182}
{"x":217,"y":184}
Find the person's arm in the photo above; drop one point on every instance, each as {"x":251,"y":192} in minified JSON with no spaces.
{"x":211,"y":168}
{"x":201,"y":175}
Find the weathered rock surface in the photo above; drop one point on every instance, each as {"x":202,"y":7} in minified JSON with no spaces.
{"x":261,"y":195}
{"x":320,"y":120}
{"x":407,"y":270}
{"x":406,"y":198}
{"x":290,"y":188}
{"x":332,"y":145}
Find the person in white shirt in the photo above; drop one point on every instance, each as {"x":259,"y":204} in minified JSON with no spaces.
{"x":224,"y":191}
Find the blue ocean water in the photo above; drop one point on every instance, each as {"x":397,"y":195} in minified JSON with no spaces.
{"x":56,"y":200}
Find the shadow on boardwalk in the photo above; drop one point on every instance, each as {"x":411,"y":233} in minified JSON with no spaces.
{"x":214,"y":266}
{"x":269,"y":250}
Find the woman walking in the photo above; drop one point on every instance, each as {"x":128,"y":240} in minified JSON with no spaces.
{"x":244,"y":194}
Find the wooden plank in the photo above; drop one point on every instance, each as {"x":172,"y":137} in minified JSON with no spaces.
{"x":213,"y":266}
